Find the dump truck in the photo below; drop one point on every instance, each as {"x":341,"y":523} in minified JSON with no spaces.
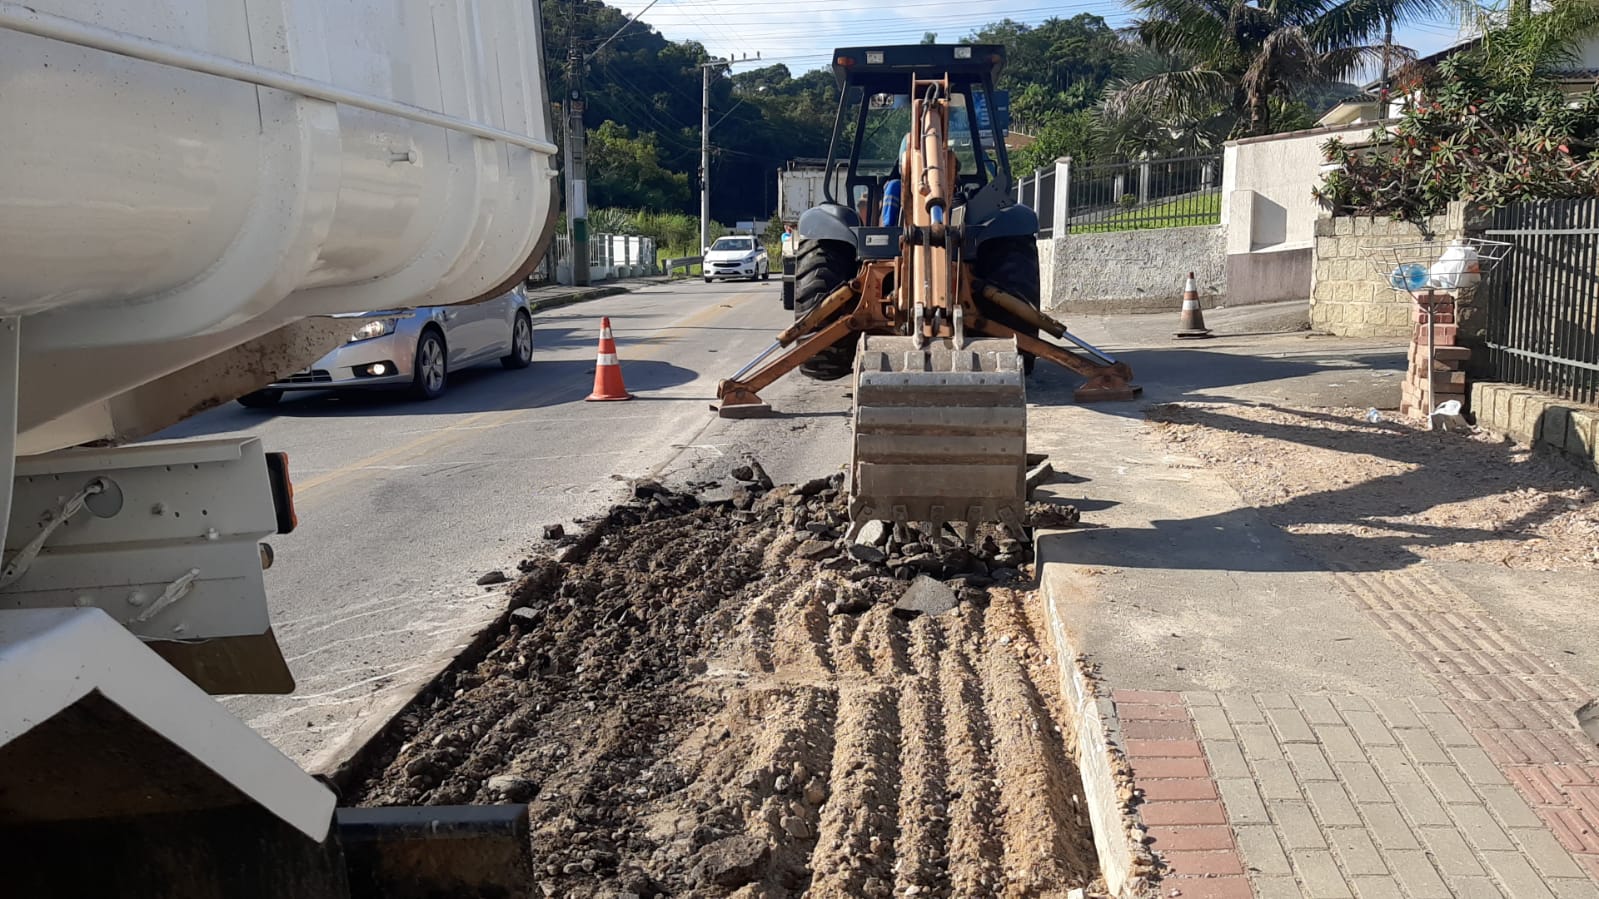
{"x":921,"y":282}
{"x":803,"y":185}
{"x":190,"y":189}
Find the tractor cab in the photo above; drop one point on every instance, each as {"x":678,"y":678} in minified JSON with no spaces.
{"x":873,"y":131}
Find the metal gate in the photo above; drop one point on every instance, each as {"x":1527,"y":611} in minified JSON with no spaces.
{"x":1542,"y":302}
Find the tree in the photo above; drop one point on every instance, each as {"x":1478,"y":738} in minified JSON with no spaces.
{"x":1075,"y":134}
{"x":626,"y":170}
{"x":1476,"y":131}
{"x":1057,"y":53}
{"x":1241,"y":56}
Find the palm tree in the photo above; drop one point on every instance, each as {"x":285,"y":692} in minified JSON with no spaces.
{"x":1241,"y":55}
{"x":1521,"y":44}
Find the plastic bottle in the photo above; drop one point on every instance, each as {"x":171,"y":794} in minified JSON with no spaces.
{"x":1410,"y":276}
{"x":1457,"y":268}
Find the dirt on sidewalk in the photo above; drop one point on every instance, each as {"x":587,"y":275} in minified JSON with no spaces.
{"x":723,"y":700}
{"x":1390,"y":492}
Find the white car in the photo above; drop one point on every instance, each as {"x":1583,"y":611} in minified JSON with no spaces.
{"x":736,"y":257}
{"x":417,"y":349}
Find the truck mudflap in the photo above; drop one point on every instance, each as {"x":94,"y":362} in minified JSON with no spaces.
{"x":940,"y":432}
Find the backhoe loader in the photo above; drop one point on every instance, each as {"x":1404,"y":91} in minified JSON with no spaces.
{"x":923,"y":284}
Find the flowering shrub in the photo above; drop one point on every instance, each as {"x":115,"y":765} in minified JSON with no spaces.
{"x":1471,"y":136}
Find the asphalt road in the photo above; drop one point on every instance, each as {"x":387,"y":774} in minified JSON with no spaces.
{"x":403,"y":505}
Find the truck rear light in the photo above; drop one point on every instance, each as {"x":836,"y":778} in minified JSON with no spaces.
{"x":282,"y":491}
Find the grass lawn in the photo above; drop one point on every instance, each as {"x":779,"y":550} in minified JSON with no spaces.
{"x":1204,"y":209}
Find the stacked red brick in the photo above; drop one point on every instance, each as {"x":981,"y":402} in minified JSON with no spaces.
{"x":1449,"y":360}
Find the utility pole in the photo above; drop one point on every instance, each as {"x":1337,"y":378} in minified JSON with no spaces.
{"x":706,"y":68}
{"x":577,"y":188}
{"x":705,"y":149}
{"x":577,"y":184}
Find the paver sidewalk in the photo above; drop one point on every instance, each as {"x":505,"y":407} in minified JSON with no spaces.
{"x":1298,"y":730}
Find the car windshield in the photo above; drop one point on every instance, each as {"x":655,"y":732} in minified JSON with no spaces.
{"x":734,"y":243}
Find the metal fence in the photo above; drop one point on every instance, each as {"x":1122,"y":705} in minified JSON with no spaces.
{"x":1541,"y":303}
{"x":1038,"y":191}
{"x":610,"y":256}
{"x":1124,"y":196}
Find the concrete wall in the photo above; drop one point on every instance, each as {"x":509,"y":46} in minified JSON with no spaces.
{"x":1348,"y":297}
{"x":1269,"y":276}
{"x":1270,"y":213}
{"x":1276,"y":175}
{"x":1538,"y":419}
{"x":1132,"y":271}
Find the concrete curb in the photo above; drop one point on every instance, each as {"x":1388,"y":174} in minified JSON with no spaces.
{"x":594,"y":293}
{"x":1124,"y":861}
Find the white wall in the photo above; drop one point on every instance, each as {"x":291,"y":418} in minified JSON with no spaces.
{"x":1278,"y":172}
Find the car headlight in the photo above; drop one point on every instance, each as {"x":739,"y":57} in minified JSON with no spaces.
{"x":377,"y":327}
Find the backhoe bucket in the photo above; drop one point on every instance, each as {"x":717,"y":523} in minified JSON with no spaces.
{"x":940,"y":433}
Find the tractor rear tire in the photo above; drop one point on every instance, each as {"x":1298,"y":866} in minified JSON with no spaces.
{"x":1011,"y":264}
{"x":822,"y":266}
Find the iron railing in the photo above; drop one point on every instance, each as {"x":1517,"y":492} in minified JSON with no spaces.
{"x":1038,"y":192}
{"x":1541,"y":304}
{"x":1124,"y":196}
{"x":1145,"y":193}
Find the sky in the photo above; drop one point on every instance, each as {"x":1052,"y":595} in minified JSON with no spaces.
{"x":802,"y":33}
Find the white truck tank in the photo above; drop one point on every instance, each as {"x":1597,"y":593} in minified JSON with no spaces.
{"x":188,"y":188}
{"x":183,"y":177}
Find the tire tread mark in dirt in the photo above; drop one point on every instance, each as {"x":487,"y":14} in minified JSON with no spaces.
{"x":853,"y":654}
{"x":1030,"y":766}
{"x":856,"y":830}
{"x":975,"y":849}
{"x":924,"y":796}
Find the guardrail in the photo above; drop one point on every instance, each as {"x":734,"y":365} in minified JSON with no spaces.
{"x":683,"y":262}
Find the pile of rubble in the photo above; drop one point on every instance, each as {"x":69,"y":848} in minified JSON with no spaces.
{"x":748,"y":697}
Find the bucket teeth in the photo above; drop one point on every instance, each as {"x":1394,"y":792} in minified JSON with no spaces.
{"x":940,"y":433}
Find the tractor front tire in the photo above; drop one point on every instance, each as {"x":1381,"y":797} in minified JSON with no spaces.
{"x":1011,"y":264}
{"x":822,"y":266}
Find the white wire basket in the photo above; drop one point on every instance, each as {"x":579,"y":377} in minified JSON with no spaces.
{"x":1441,"y":269}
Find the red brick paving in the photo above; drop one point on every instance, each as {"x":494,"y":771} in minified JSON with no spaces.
{"x":1187,"y":824}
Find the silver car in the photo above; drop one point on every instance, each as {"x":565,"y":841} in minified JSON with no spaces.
{"x":417,"y":349}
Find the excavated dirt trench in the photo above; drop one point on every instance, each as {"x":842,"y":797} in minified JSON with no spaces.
{"x":722,"y":700}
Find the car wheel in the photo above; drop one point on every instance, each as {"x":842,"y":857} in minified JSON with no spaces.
{"x":432,"y":367}
{"x":521,"y":343}
{"x":261,"y":399}
{"x":766,"y":273}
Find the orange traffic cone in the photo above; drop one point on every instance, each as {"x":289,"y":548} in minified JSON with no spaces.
{"x":1193,"y":321}
{"x":607,"y":371}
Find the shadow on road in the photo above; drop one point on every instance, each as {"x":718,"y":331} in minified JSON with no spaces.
{"x":485,"y":389}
